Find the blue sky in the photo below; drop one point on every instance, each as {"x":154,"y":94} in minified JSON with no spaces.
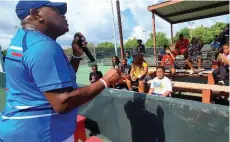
{"x":94,"y":19}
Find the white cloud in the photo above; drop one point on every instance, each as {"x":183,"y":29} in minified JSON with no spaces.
{"x":139,"y":33}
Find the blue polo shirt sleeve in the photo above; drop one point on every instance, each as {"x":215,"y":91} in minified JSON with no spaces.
{"x":48,"y":66}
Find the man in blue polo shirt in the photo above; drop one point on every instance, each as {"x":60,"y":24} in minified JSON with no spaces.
{"x":42,"y":94}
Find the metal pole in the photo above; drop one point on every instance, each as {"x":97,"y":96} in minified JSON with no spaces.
{"x":191,"y":24}
{"x":94,"y":52}
{"x":145,"y":36}
{"x":114,"y":32}
{"x":154,"y":37}
{"x":172,"y":35}
{"x":120,"y":27}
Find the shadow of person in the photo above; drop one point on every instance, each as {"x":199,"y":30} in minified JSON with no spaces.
{"x":145,"y":125}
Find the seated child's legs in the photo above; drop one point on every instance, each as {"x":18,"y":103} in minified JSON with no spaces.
{"x":189,"y":62}
{"x":176,"y":52}
{"x":171,"y":68}
{"x":173,"y":71}
{"x":199,"y":62}
{"x":215,"y":74}
{"x":185,"y":53}
{"x":223,"y":72}
{"x":129,"y":84}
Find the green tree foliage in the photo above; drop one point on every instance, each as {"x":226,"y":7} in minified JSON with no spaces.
{"x":149,"y":43}
{"x":205,"y":33}
{"x":68,"y":51}
{"x":90,"y":44}
{"x":185,"y":31}
{"x":4,"y":52}
{"x":202,"y":33}
{"x":106,"y":45}
{"x":161,"y":40}
{"x":217,"y":28}
{"x":131,"y":43}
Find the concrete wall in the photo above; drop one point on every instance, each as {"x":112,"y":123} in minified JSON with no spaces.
{"x":131,"y":117}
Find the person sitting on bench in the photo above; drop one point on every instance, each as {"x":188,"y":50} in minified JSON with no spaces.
{"x":116,"y":62}
{"x":223,"y":69}
{"x":194,"y":54}
{"x":129,"y":58}
{"x":161,"y":85}
{"x":215,"y":44}
{"x":181,"y":47}
{"x":95,"y":75}
{"x":125,"y":67}
{"x":125,"y":71}
{"x":168,"y":61}
{"x":139,"y":70}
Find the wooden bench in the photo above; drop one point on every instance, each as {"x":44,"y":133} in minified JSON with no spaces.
{"x":207,"y":90}
{"x":205,"y":74}
{"x":80,"y":133}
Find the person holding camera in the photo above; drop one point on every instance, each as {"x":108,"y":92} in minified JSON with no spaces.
{"x":168,"y":61}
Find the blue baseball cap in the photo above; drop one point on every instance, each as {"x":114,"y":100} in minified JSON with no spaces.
{"x":23,"y":7}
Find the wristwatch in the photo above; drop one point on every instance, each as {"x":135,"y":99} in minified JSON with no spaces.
{"x":76,"y":58}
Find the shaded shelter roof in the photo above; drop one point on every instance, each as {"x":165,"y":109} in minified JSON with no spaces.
{"x":182,"y":11}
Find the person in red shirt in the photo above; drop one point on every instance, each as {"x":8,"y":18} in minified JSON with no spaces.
{"x":168,"y":61}
{"x":181,"y":47}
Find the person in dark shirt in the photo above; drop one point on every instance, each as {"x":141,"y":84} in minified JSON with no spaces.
{"x":224,"y":36}
{"x":140,"y":47}
{"x":125,"y":71}
{"x":95,"y":75}
{"x":125,"y":68}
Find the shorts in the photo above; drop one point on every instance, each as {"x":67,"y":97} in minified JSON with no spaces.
{"x":168,"y":67}
{"x":194,"y":57}
{"x":182,"y":52}
{"x":155,"y":94}
{"x":144,"y":79}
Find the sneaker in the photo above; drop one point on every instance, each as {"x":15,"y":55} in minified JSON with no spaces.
{"x":191,"y":72}
{"x":201,"y":69}
{"x":200,"y":73}
{"x":220,"y":82}
{"x":212,"y":69}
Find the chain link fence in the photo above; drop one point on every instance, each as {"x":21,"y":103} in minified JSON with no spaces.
{"x":104,"y":56}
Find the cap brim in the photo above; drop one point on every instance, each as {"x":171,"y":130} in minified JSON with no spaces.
{"x":61,"y":6}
